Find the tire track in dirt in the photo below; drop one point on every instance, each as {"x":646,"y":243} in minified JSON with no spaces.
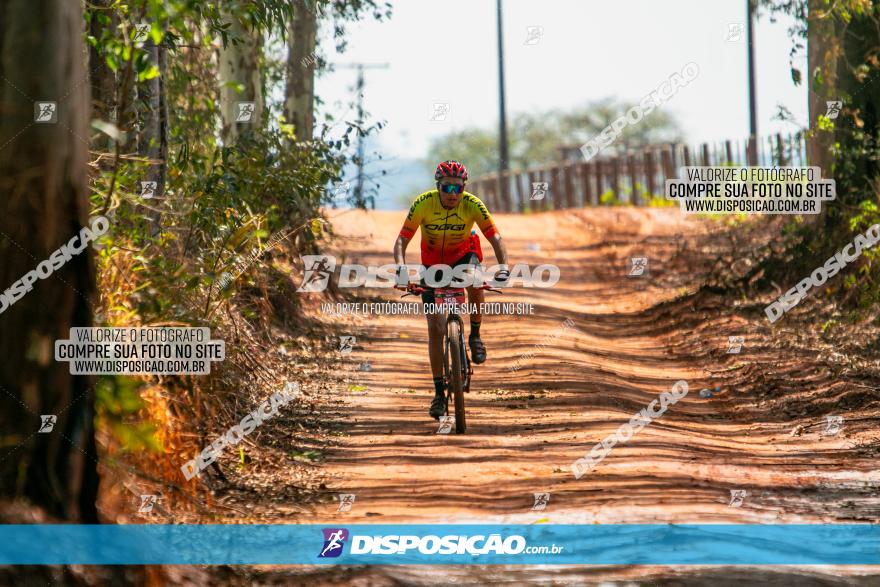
{"x":527,"y":426}
{"x":631,"y":340}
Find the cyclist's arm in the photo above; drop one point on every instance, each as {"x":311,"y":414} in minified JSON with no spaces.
{"x":487,"y":226}
{"x":400,"y":250}
{"x":407,"y":231}
{"x":499,"y":247}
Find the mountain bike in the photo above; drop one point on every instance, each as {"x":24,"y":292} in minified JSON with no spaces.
{"x":457,"y":368}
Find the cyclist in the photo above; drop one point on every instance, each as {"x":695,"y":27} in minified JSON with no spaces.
{"x":446,"y":215}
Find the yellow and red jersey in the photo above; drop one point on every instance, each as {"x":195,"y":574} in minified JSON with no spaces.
{"x":446,"y":233}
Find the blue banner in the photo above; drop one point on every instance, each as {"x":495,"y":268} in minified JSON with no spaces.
{"x":360,"y":544}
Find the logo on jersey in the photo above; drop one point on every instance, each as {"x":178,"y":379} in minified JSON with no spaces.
{"x":444,"y":226}
{"x":482,"y":208}
{"x":448,"y":216}
{"x":334,"y":541}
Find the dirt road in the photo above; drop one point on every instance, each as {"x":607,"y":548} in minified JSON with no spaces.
{"x":630,"y":340}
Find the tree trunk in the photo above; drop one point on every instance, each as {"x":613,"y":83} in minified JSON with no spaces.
{"x":859,"y":41}
{"x":44,"y":203}
{"x":239,"y":70}
{"x":823,"y":50}
{"x":149,"y":110}
{"x":153,"y":141}
{"x":299,"y":98}
{"x":103,"y":79}
{"x":162,"y":154}
{"x":127,"y":90}
{"x":855,"y":171}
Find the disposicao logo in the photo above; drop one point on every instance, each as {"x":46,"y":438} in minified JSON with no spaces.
{"x":452,"y":544}
{"x":334,"y":541}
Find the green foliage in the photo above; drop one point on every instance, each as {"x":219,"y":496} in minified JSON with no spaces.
{"x":657,"y":201}
{"x":237,"y":197}
{"x":265,"y":182}
{"x":825,"y":124}
{"x":161,"y":259}
{"x":535,"y":138}
{"x":855,"y":146}
{"x":116,"y":402}
{"x":607,"y":198}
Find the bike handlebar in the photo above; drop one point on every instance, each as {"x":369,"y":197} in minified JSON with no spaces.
{"x":413,"y":289}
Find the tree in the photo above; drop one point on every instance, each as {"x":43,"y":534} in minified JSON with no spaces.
{"x":153,"y":114}
{"x":823,"y":51}
{"x":299,"y":97}
{"x":543,"y":137}
{"x":44,"y":199}
{"x":844,"y":66}
{"x":240,"y":80}
{"x":302,"y":52}
{"x":102,"y":78}
{"x":842,"y":58}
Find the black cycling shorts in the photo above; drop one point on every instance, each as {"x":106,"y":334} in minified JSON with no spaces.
{"x":468,"y":259}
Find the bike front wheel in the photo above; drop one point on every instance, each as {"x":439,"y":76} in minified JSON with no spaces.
{"x":456,"y":385}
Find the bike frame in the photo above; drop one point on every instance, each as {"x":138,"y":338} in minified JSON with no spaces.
{"x":451,"y":298}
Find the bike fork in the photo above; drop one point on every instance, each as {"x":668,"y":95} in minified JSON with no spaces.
{"x":466,"y":370}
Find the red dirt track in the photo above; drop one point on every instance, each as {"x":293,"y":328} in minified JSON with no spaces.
{"x":631,"y":340}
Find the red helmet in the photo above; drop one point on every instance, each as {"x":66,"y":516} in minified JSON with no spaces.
{"x":450,"y":169}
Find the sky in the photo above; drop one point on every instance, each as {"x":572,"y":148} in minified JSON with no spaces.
{"x":445,"y":51}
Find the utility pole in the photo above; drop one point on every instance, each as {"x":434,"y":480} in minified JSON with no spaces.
{"x":503,"y":163}
{"x":753,"y":109}
{"x":359,"y":186}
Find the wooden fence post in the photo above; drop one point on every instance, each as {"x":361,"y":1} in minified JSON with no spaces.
{"x":520,"y":193}
{"x":649,"y":172}
{"x":530,"y":203}
{"x":599,"y":182}
{"x":673,"y":151}
{"x":631,"y":170}
{"x":559,"y":177}
{"x":491,"y":190}
{"x":666,"y":166}
{"x":555,"y":188}
{"x":587,"y":182}
{"x":547,"y":176}
{"x":567,"y":170}
{"x":538,"y":205}
{"x":615,"y":178}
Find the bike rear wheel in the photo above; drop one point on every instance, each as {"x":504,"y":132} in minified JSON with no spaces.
{"x":456,"y":386}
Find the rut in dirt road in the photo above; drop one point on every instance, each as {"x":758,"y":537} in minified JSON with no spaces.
{"x":529,"y":418}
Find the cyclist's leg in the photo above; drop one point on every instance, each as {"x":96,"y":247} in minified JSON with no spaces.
{"x":478,"y":349}
{"x":436,"y":325}
{"x":436,"y":328}
{"x":476,"y":298}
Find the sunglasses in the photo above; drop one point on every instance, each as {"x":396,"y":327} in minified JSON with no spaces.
{"x":451,"y":188}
